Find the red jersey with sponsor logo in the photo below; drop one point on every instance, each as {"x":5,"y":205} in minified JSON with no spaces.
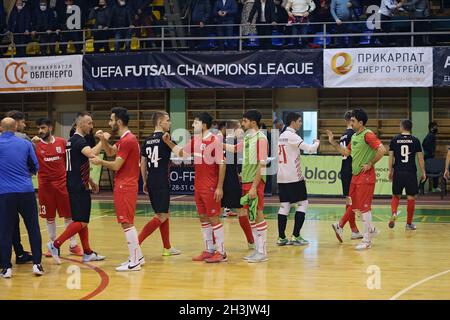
{"x":208,"y":154}
{"x":127,"y":178}
{"x":52,"y":161}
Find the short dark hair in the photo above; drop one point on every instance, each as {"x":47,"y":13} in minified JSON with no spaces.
{"x":16,"y":115}
{"x":157,"y":116}
{"x":121,"y":114}
{"x":292,"y":116}
{"x":222,"y":124}
{"x":360,"y":115}
{"x":232,"y":124}
{"x":82,"y":115}
{"x":205,"y":118}
{"x":348,"y":115}
{"x":406,"y":124}
{"x":432,"y":124}
{"x":253,"y":115}
{"x":44,"y":122}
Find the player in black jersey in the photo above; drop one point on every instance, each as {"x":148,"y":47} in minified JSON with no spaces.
{"x":78,"y":153}
{"x":447,"y":165}
{"x":232,"y":190}
{"x":155,"y":161}
{"x":403,"y":151}
{"x":346,"y":178}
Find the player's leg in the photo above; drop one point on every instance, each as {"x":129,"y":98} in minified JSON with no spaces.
{"x":283,"y":213}
{"x":156,"y":200}
{"x":213,"y":210}
{"x":338,"y":226}
{"x":61,"y":198}
{"x":300,"y":212}
{"x":261,"y":228}
{"x":207,"y":231}
{"x":168,"y":250}
{"x":364,"y":196}
{"x":397,"y":189}
{"x":47,"y":211}
{"x":412,"y":189}
{"x":125,"y":205}
{"x":346,"y":181}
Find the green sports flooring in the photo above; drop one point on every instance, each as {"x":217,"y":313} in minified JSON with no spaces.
{"x":381,"y":213}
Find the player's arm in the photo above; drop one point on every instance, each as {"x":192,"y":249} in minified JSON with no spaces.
{"x":375,"y":144}
{"x":94,"y":186}
{"x":178,"y":151}
{"x":112,"y":165}
{"x":144,"y":174}
{"x":233,"y":148}
{"x":421,"y":161}
{"x":104,"y":137}
{"x":218,"y":194}
{"x":262,"y":162}
{"x":391,"y":164}
{"x":310,"y":148}
{"x":447,"y":163}
{"x":342,"y":150}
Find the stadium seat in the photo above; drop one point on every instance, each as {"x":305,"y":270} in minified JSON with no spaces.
{"x":252,"y":42}
{"x":11,"y":50}
{"x":71,"y":47}
{"x":277,"y":42}
{"x":135,"y":44}
{"x":320,"y":39}
{"x":435,"y":168}
{"x":89,"y":46}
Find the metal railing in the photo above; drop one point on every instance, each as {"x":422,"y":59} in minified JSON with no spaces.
{"x":164,"y":35}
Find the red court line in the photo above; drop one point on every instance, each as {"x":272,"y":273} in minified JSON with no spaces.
{"x":103,"y":276}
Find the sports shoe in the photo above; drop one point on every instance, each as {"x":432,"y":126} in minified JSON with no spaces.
{"x":48,"y":254}
{"x":251,"y":246}
{"x":92,"y":257}
{"x":410,"y":227}
{"x":38,"y":270}
{"x":298,"y":241}
{"x":363,"y":245}
{"x":232,"y":214}
{"x":129,"y":267}
{"x":250,"y":255}
{"x":338,"y":231}
{"x":356,"y":235}
{"x":392,"y":220}
{"x":26,"y":257}
{"x":76,"y":251}
{"x":203,"y":256}
{"x":170,"y":252}
{"x":6,"y":273}
{"x":374,"y":232}
{"x":258,"y":257}
{"x":54,"y":252}
{"x":437,"y":189}
{"x":141,"y":261}
{"x":283,"y":242}
{"x":217,"y":257}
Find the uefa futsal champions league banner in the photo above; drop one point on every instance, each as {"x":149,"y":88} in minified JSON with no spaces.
{"x":57,"y":73}
{"x":378,"y":67}
{"x":441,"y":57}
{"x":274,"y":69}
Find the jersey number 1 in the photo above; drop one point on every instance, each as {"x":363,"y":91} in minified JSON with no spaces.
{"x":153,"y":156}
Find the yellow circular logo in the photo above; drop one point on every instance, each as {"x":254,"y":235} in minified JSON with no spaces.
{"x":344,"y":67}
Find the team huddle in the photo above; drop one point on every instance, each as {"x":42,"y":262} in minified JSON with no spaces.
{"x":65,"y":185}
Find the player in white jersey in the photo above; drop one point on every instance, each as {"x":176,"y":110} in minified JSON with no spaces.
{"x":291,"y":182}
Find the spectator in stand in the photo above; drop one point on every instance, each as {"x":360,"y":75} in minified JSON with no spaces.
{"x":322,"y":14}
{"x":299,"y":15}
{"x":121,"y":18}
{"x":247,"y":28}
{"x":265,"y":11}
{"x":19,"y":24}
{"x":144,"y":16}
{"x":71,"y":21}
{"x":44,"y":22}
{"x":387,"y":10}
{"x":341,"y":10}
{"x":200,"y":11}
{"x":429,"y":149}
{"x":101,"y":15}
{"x":281,"y":17}
{"x":419,"y":10}
{"x":225,"y":11}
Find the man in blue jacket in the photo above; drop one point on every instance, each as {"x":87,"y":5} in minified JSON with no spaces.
{"x":19,"y":162}
{"x":200,"y":12}
{"x":224,"y":12}
{"x":19,"y":23}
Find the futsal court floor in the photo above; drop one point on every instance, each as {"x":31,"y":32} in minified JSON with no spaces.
{"x":401,"y":264}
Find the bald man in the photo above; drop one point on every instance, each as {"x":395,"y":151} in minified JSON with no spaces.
{"x":19,"y":163}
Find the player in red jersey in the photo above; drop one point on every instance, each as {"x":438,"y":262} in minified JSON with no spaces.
{"x":126,"y":181}
{"x":52,"y":192}
{"x":207,"y":149}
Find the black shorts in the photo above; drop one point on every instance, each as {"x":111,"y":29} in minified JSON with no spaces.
{"x":346,"y":179}
{"x":405,"y":180}
{"x":80,"y":204}
{"x":159,"y":198}
{"x":292,"y":192}
{"x":232,"y":197}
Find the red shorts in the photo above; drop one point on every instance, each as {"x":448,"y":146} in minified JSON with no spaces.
{"x":51,"y":198}
{"x":259,"y":191}
{"x":362,"y":195}
{"x":206,"y":205}
{"x":125,"y":205}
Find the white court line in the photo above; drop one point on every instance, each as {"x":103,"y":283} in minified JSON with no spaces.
{"x":61,"y":225}
{"x":177,"y":197}
{"x":400,"y":293}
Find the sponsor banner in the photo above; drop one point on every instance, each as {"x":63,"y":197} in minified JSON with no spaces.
{"x":275,"y":69}
{"x":58,"y":73}
{"x":441,"y":66}
{"x":323,"y":178}
{"x":182,"y":179}
{"x":378,"y":67}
